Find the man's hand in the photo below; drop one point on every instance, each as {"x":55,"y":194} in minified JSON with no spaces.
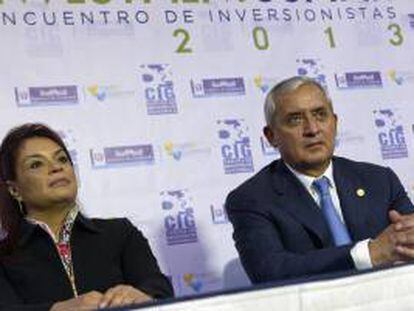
{"x":395,"y":243}
{"x":405,"y":225}
{"x":88,"y":301}
{"x":122,"y":295}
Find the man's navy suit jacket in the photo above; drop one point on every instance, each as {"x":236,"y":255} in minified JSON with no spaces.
{"x":280,"y":232}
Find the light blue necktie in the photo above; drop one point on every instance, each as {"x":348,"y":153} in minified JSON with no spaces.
{"x":336,"y":226}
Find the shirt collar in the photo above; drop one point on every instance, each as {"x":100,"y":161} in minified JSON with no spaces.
{"x":69,"y":219}
{"x":307,"y":181}
{"x":29,"y":225}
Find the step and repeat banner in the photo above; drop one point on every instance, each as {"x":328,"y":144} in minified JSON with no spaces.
{"x":161,"y":102}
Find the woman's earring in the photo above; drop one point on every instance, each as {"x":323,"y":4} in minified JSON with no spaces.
{"x":21,"y":207}
{"x":15,"y":194}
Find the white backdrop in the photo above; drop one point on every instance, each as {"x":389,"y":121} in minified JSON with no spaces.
{"x":161,"y":104}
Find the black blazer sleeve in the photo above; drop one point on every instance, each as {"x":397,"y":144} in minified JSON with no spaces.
{"x":10,"y":301}
{"x":140,"y":266}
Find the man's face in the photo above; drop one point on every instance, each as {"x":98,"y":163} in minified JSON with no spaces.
{"x":304,"y":129}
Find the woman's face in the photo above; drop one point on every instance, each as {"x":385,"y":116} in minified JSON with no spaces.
{"x":44,"y":175}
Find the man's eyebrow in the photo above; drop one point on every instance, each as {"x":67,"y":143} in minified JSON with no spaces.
{"x":320,"y":108}
{"x":294,"y":113}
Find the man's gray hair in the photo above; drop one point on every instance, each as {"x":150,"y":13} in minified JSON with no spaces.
{"x":287,"y":86}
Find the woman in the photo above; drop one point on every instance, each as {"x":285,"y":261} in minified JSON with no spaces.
{"x":53,"y":257}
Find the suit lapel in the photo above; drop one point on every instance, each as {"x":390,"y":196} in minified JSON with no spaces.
{"x":353,"y":199}
{"x":299,"y":203}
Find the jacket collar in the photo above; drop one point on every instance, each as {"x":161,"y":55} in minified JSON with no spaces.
{"x":28,"y":228}
{"x":299,"y":203}
{"x":301,"y":206}
{"x":353,"y":199}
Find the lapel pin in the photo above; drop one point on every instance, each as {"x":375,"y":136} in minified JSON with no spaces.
{"x":360,"y":192}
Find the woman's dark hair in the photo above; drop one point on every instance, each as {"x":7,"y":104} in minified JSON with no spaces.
{"x":10,"y":215}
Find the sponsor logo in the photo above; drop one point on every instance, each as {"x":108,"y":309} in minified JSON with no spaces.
{"x":390,"y":135}
{"x":218,"y":215}
{"x":104,"y":92}
{"x":264,"y":84}
{"x":235,"y":146}
{"x":357,"y":80}
{"x":401,"y":77}
{"x":158,"y":89}
{"x":122,"y":156}
{"x":179,"y":151}
{"x":193,"y":281}
{"x":268,"y":149}
{"x":218,"y":87}
{"x":179,"y":221}
{"x":46,"y":96}
{"x":100,"y":93}
{"x":312,"y":68}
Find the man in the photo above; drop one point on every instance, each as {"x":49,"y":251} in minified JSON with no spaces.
{"x":311,"y":212}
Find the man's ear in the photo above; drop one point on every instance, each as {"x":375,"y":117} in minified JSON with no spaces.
{"x":270,"y":136}
{"x":13,"y":189}
{"x":336,"y":123}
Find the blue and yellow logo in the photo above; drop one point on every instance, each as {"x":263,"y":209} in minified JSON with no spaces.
{"x":193,"y":282}
{"x":98,"y":91}
{"x":172,"y":150}
{"x":396,"y":77}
